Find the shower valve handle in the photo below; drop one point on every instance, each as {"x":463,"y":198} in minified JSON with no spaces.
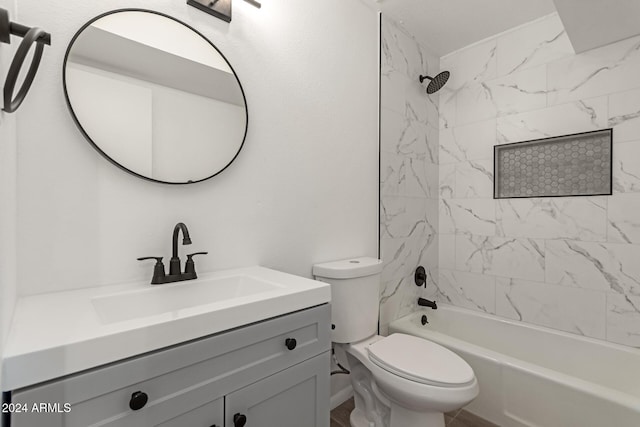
{"x":420,"y":276}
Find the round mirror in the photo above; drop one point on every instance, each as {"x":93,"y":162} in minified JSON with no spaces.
{"x":154,"y":96}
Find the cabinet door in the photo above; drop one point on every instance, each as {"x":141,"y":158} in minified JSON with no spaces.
{"x":209,"y":415}
{"x":171,"y":414}
{"x":295,"y":397}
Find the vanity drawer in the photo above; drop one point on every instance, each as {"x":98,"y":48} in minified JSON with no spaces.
{"x":180,"y":378}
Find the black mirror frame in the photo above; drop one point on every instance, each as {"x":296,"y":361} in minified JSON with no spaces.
{"x":97,"y":148}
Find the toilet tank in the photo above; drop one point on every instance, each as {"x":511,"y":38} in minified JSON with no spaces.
{"x":355,"y":287}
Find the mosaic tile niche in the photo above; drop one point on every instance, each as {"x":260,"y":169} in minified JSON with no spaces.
{"x":570,"y":165}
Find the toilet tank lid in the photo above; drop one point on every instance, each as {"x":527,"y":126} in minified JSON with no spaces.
{"x":348,"y":268}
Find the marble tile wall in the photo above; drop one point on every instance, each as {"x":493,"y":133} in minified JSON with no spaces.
{"x":408,"y":171}
{"x":568,"y":263}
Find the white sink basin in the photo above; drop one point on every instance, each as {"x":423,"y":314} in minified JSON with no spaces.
{"x":159,"y":299}
{"x":95,"y":326}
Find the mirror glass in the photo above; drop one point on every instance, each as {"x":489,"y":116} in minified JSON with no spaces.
{"x":154,"y":96}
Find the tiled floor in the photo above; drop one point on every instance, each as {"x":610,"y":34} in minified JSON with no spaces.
{"x":340,"y":415}
{"x":460,"y":418}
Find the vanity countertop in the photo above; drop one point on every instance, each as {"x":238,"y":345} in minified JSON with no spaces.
{"x":61,"y":333}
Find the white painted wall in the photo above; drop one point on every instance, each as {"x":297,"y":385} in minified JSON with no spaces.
{"x":8,"y":208}
{"x":303,"y":190}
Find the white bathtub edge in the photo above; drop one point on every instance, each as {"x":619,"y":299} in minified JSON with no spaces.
{"x":405,"y":325}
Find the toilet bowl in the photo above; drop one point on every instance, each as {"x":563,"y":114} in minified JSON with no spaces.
{"x":414,"y":381}
{"x":399,"y":380}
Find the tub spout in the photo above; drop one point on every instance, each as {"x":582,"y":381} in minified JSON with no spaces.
{"x":426,"y":303}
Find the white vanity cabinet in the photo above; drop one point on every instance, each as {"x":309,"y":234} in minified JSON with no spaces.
{"x":273,"y":373}
{"x":287,"y":399}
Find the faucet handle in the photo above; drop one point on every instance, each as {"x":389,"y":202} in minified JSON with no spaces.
{"x":190,"y":266}
{"x":196,"y":253}
{"x":158,"y":269}
{"x":157,"y":258}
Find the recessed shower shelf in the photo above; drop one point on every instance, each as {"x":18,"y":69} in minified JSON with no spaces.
{"x":570,"y":165}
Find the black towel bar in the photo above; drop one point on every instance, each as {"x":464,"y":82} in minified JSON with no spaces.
{"x":30,"y":36}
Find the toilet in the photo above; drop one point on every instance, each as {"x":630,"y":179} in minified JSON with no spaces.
{"x":399,"y":380}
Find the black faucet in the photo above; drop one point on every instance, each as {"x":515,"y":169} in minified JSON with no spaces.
{"x":175,"y":275}
{"x":174,"y":264}
{"x":426,"y":303}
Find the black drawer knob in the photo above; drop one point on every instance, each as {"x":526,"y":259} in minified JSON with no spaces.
{"x":138,"y":400}
{"x":239,"y":420}
{"x":291,"y":343}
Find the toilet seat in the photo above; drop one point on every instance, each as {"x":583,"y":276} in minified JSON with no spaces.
{"x":408,"y":392}
{"x":420,"y":360}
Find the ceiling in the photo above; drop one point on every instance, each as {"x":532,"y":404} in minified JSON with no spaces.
{"x":448,"y":25}
{"x":594,"y":23}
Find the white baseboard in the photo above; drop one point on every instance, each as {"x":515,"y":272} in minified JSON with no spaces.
{"x":341,"y":396}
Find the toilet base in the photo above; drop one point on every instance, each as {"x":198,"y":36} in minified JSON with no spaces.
{"x":358,"y":419}
{"x":400,"y":417}
{"x":374,"y":409}
{"x":371,"y":409}
{"x":407,"y":418}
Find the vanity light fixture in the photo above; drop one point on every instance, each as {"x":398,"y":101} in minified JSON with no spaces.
{"x":254,"y":3}
{"x":219,"y":8}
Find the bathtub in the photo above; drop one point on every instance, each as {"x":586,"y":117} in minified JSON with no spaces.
{"x":535,"y":376}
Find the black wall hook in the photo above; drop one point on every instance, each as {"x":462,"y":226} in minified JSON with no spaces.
{"x":29,"y":36}
{"x":7,"y":28}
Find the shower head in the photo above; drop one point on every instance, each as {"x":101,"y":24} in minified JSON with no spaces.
{"x":436,"y":82}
